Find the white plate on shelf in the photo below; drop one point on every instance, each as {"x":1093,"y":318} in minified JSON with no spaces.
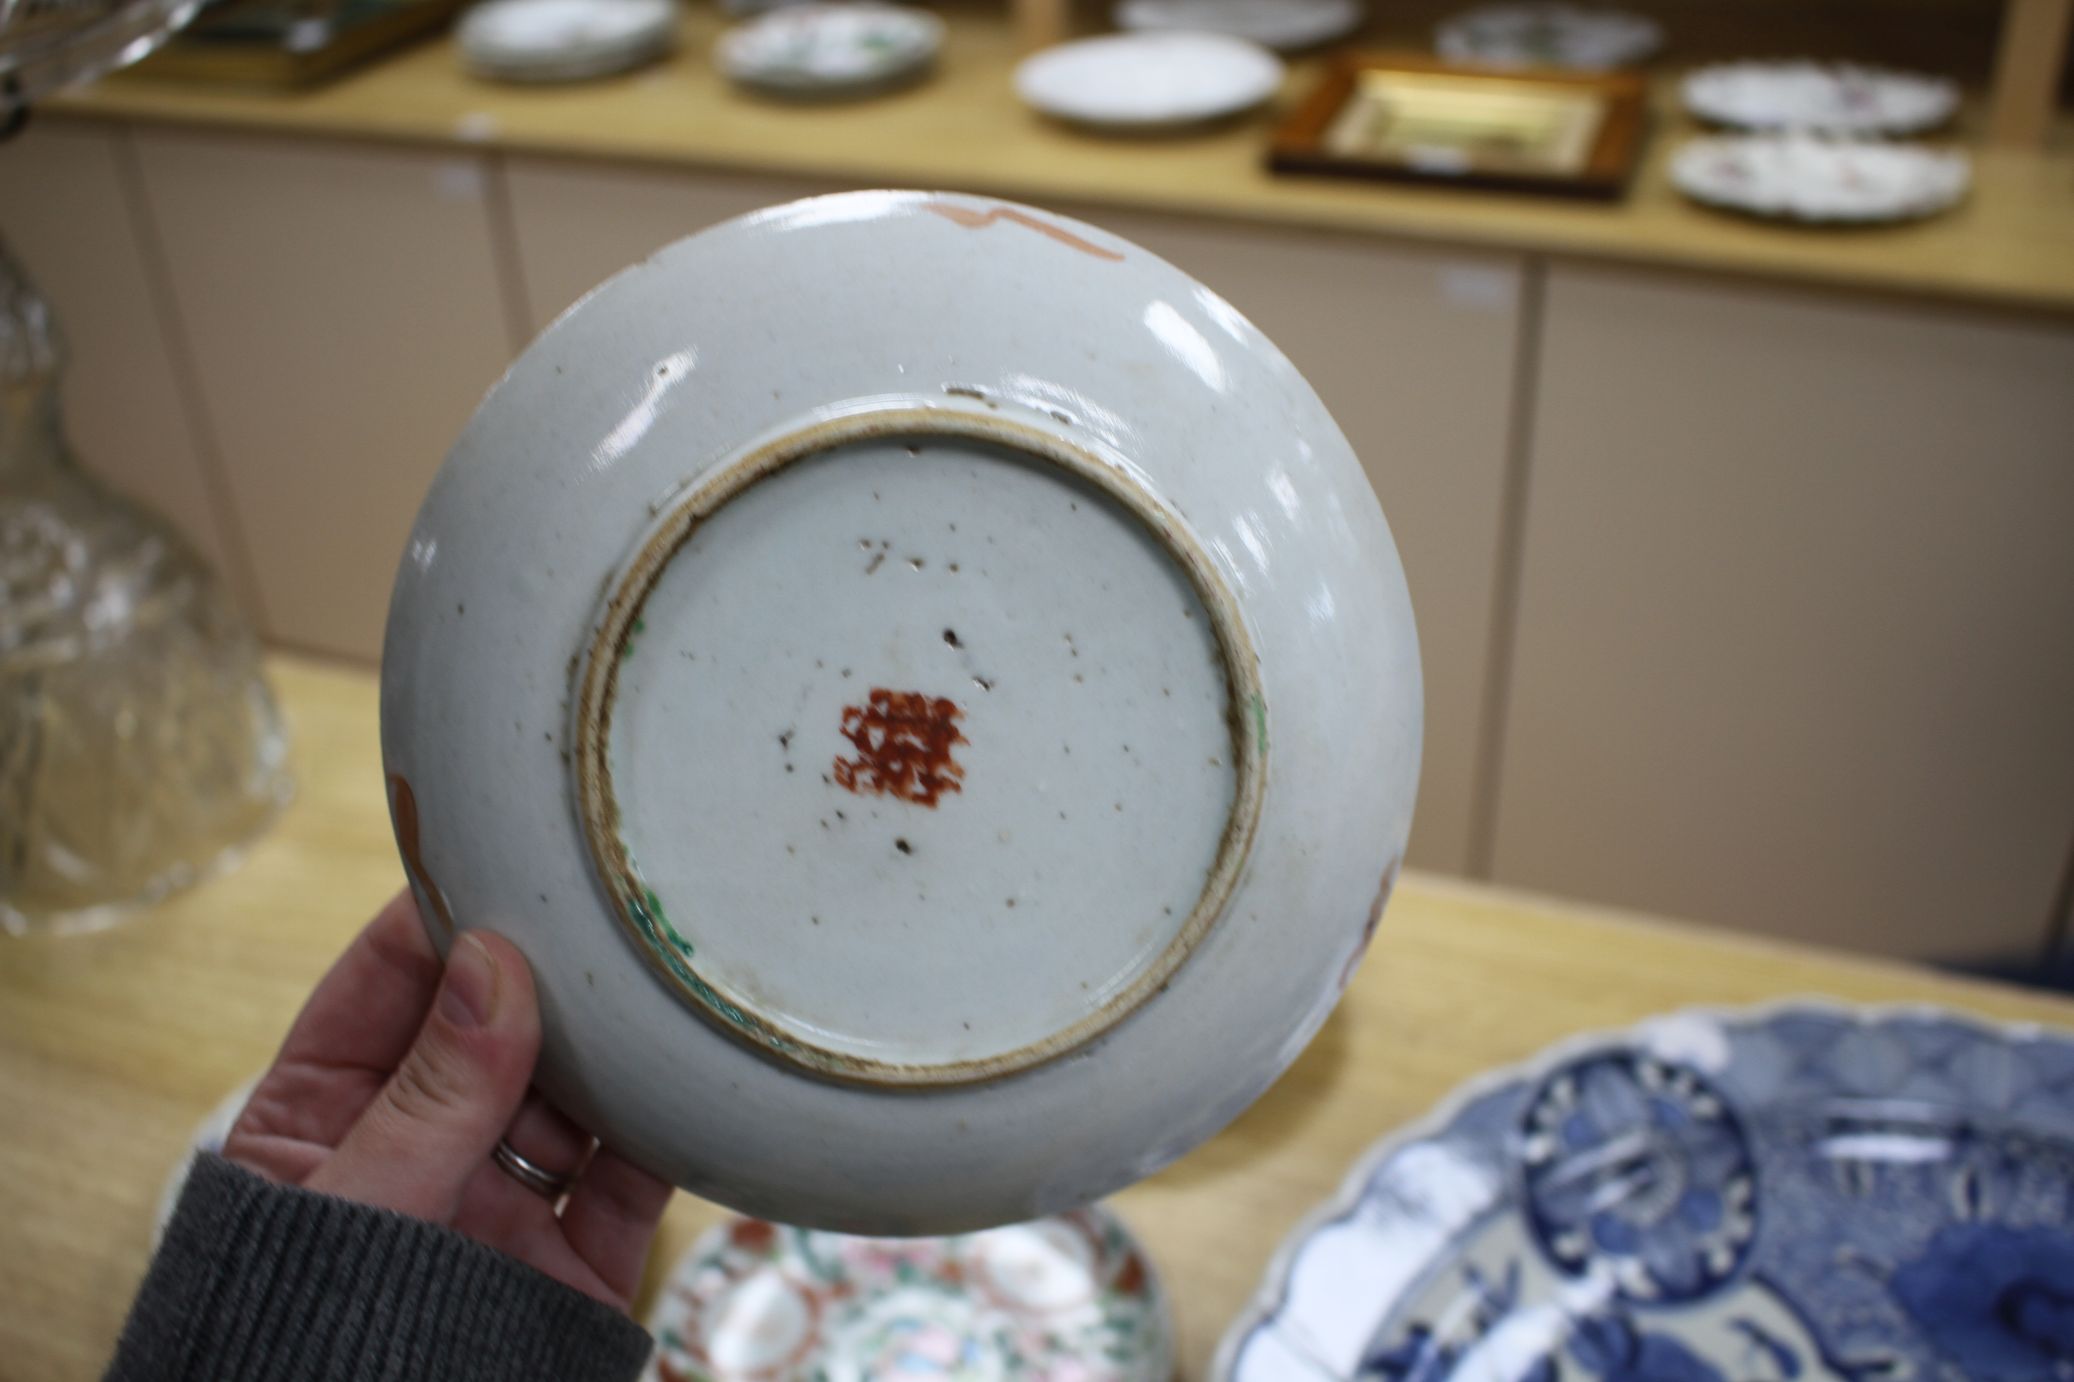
{"x":1548,"y":35}
{"x":1805,"y":1192}
{"x":831,"y":50}
{"x":1149,"y":81}
{"x":564,"y":40}
{"x":1835,"y":97}
{"x":1287,"y":26}
{"x":1801,"y":177}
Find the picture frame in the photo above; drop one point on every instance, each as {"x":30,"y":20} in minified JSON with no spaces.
{"x":1409,"y":117}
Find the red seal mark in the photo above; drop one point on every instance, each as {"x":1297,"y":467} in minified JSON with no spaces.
{"x":904,"y":741}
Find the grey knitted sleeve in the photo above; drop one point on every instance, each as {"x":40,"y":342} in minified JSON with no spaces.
{"x":262,"y":1281}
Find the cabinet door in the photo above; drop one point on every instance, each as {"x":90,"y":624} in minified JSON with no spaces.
{"x":577,"y":224}
{"x":1413,"y":351}
{"x":345,"y":315}
{"x":1795,"y":644}
{"x":68,"y":217}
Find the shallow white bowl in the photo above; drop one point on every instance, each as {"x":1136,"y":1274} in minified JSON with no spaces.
{"x":1285,"y":25}
{"x":563,"y":40}
{"x":1148,"y":81}
{"x":1801,"y":177}
{"x":830,"y":50}
{"x":931,"y":692}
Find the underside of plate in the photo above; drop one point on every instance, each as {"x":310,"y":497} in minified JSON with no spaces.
{"x":919,"y":745}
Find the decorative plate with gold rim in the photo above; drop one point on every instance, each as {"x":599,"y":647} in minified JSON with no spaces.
{"x":931,"y":693}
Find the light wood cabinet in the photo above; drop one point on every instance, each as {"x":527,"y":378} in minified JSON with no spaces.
{"x":65,"y":207}
{"x":345,"y":308}
{"x":1795,"y":643}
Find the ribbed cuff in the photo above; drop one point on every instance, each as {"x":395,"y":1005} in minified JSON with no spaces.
{"x":262,"y":1281}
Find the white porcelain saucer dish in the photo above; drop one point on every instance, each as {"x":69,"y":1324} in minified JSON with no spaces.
{"x":930,"y":691}
{"x":1288,"y":26}
{"x":1548,"y":35}
{"x":831,"y":50}
{"x":1148,"y":81}
{"x":1069,"y":1299}
{"x":1802,"y":1193}
{"x":563,"y":40}
{"x":1833,"y":97}
{"x":1799,"y":177}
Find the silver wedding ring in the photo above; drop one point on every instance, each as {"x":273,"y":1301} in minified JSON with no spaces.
{"x":536,"y":1178}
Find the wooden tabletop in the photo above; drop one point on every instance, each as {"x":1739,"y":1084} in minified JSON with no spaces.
{"x":112,"y":1047}
{"x":965,"y":130}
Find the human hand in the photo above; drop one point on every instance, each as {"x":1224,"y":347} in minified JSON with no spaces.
{"x":396,"y":1083}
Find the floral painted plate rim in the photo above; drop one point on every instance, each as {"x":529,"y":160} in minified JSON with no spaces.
{"x":1267,"y":1304}
{"x":1131,"y":1276}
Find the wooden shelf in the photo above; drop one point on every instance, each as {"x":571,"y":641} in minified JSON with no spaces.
{"x":964,"y":129}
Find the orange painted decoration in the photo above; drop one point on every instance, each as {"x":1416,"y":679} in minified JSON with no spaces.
{"x":1375,"y":916}
{"x":406,"y":804}
{"x":980,"y":220}
{"x":904,"y":741}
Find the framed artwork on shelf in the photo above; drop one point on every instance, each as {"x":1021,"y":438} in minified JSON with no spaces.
{"x":1410,"y":117}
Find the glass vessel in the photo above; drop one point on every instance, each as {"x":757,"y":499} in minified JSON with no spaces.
{"x":140,"y":748}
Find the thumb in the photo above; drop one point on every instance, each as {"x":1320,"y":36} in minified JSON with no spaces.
{"x":438,"y":1118}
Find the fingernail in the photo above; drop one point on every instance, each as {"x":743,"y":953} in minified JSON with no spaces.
{"x":468,"y":997}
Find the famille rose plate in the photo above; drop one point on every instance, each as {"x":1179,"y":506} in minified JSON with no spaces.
{"x":930,"y":692}
{"x":1066,"y":1299}
{"x":1796,"y":1194}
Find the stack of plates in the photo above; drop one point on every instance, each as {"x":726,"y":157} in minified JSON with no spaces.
{"x":1287,"y":26}
{"x":1153,"y":81}
{"x":1548,"y":35}
{"x":564,"y":40}
{"x":831,"y":50}
{"x":1835,"y":97}
{"x":1802,"y":177}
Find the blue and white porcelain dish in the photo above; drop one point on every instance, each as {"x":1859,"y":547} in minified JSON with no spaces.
{"x":1803,"y":1192}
